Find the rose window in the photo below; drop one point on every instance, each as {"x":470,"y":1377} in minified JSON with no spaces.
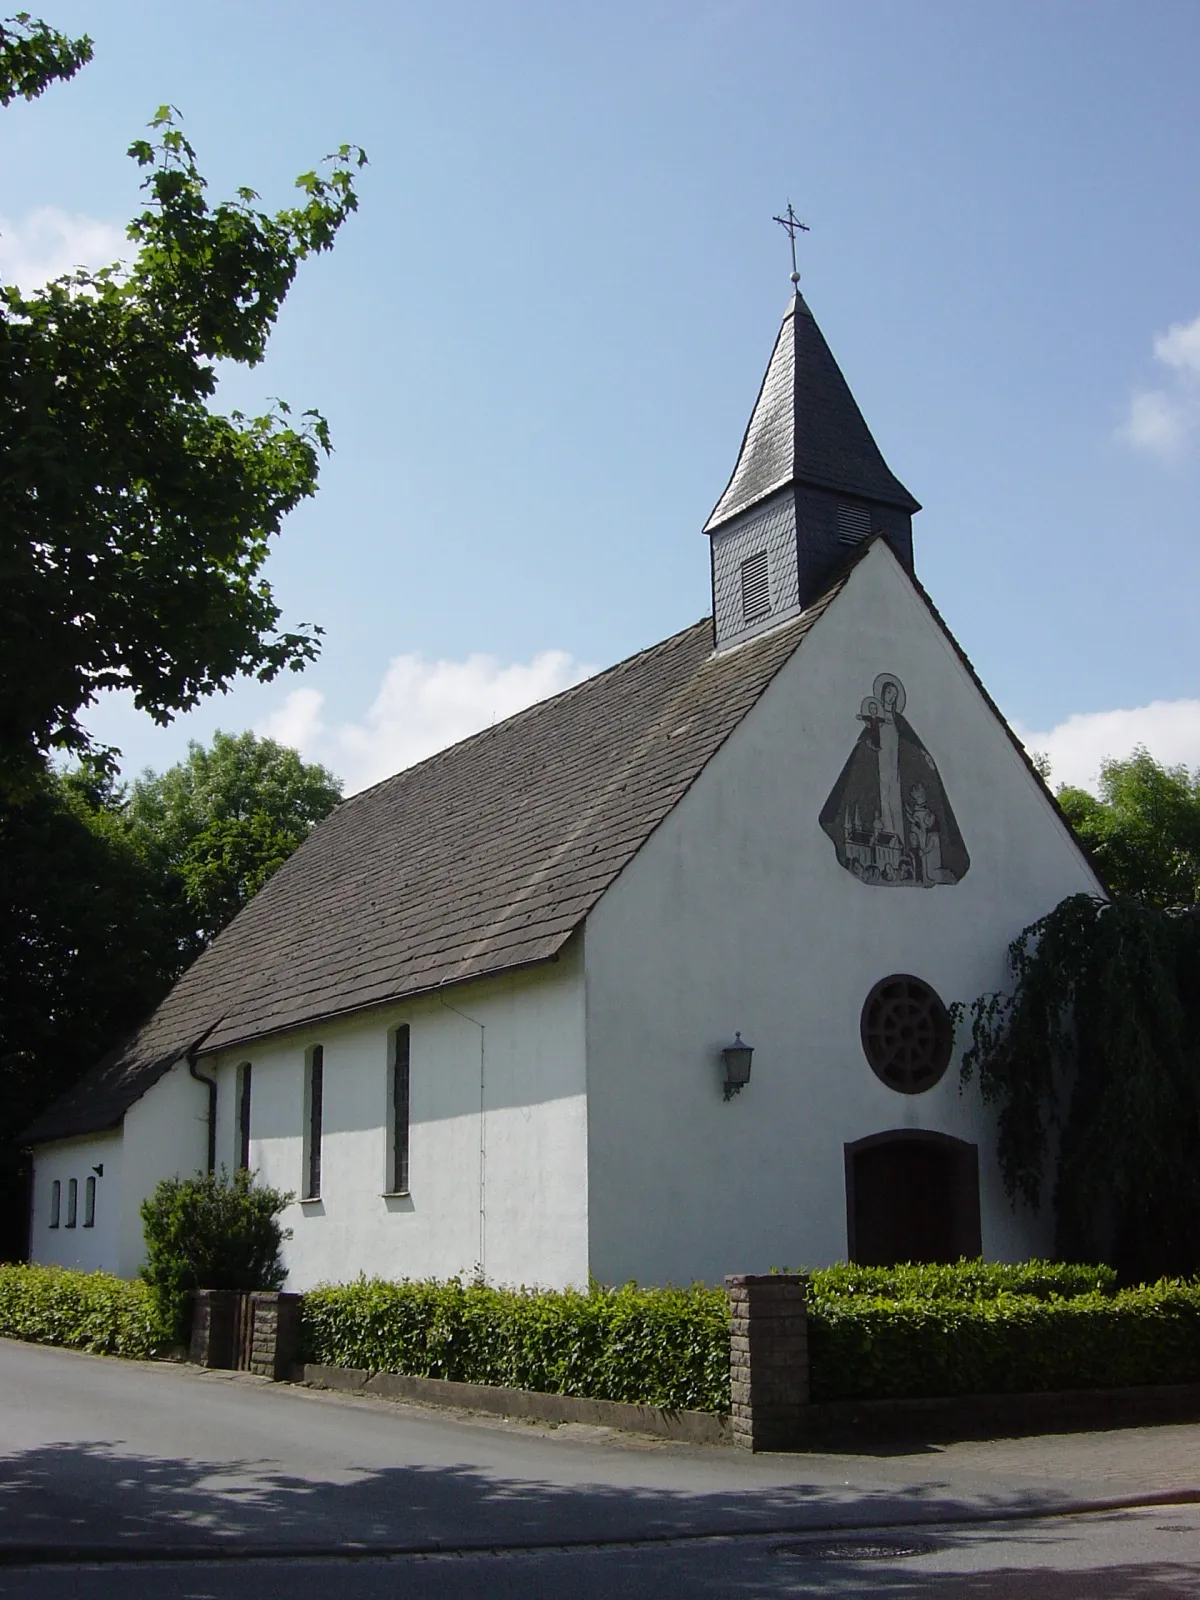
{"x":907,"y":1034}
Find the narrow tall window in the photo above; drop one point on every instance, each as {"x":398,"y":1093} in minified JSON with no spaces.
{"x":398,"y":1155}
{"x":55,"y":1203}
{"x":244,"y":1114}
{"x":89,"y":1203}
{"x":72,"y":1201}
{"x":314,"y":1084}
{"x":756,"y":587}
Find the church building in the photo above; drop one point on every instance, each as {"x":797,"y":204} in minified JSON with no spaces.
{"x":650,"y":980}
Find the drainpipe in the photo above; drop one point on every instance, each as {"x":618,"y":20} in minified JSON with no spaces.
{"x":211,"y":1085}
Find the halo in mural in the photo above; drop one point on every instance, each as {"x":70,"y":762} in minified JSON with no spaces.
{"x":888,"y":814}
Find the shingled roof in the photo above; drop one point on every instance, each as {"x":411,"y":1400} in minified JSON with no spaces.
{"x":484,"y":858}
{"x":806,"y":428}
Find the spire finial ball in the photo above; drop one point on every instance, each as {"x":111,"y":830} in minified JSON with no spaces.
{"x":795,"y":277}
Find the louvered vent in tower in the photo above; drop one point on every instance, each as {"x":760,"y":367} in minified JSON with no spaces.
{"x":756,"y":588}
{"x":854,"y":524}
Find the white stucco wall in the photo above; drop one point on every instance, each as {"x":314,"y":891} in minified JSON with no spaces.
{"x":737,"y":915}
{"x":165,"y":1136}
{"x":532,"y":1225}
{"x":88,"y":1249}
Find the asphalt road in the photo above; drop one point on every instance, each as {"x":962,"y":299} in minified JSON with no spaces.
{"x":125,"y":1478}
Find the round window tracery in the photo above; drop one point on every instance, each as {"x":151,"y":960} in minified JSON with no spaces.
{"x":907,"y":1034}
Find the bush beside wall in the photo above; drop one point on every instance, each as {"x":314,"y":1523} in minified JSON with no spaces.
{"x":964,"y":1280}
{"x":80,"y":1310}
{"x":659,"y":1347}
{"x":872,"y":1348}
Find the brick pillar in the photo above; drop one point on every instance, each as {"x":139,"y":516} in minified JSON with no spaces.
{"x":768,"y":1359}
{"x":275,"y":1336}
{"x":212,"y":1327}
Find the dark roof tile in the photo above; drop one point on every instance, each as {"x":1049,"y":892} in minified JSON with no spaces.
{"x":484,"y":858}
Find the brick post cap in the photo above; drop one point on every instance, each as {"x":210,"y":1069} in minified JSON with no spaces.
{"x":752,"y":1280}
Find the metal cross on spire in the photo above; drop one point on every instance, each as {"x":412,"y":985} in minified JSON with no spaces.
{"x":792,"y":225}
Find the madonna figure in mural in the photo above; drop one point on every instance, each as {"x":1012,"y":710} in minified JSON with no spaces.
{"x":888,"y":815}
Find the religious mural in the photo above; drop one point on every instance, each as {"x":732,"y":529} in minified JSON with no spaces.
{"x":888,"y":814}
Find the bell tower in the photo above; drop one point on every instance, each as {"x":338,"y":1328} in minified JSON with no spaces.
{"x":809,"y":484}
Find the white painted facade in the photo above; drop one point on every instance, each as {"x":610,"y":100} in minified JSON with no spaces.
{"x":88,"y":1249}
{"x":568,"y":1119}
{"x":735,"y":915}
{"x":163,"y":1134}
{"x":505,"y":1191}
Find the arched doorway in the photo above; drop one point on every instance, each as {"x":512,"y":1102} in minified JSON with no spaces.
{"x":911,"y":1196}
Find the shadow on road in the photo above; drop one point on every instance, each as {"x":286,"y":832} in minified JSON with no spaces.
{"x":85,"y":1501}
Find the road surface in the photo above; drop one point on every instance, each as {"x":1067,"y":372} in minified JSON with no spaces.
{"x":132,"y":1478}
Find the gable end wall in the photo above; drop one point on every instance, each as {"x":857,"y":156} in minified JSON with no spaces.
{"x":736,"y":915}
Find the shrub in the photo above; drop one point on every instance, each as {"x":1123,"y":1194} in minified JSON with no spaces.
{"x":964,"y":1280}
{"x":80,"y":1310}
{"x":660,"y":1347}
{"x":873,"y":1348}
{"x":210,"y":1232}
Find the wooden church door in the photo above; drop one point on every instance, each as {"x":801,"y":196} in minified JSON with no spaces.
{"x":912,"y":1197}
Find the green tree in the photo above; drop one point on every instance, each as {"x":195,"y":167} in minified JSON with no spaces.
{"x":88,"y":947}
{"x":1143,"y":831}
{"x":33,"y":55}
{"x":216,"y":826}
{"x":135,"y":519}
{"x":107,"y":896}
{"x":1093,"y":1061}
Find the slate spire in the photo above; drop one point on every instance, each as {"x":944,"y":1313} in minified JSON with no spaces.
{"x":806,"y":428}
{"x":809,"y":482}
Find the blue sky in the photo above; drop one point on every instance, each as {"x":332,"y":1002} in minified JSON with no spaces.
{"x":538,"y":342}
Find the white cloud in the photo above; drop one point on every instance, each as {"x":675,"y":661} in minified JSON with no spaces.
{"x":1165,"y":421}
{"x":1180,"y":346}
{"x":1159,"y":422}
{"x":1169,"y":729}
{"x":421,"y":707}
{"x":48,"y":242}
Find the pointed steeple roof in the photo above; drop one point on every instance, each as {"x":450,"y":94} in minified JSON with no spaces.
{"x":806,"y":428}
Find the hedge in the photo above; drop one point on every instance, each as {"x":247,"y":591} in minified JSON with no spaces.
{"x":964,"y":1280}
{"x":82,"y":1310}
{"x":873,"y":1348}
{"x":660,"y":1347}
{"x":942,"y":1331}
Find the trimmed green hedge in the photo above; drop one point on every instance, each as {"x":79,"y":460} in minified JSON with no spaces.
{"x":947,"y":1331}
{"x":82,"y":1310}
{"x":965,"y":1280}
{"x":862,"y":1348}
{"x":660,"y":1347}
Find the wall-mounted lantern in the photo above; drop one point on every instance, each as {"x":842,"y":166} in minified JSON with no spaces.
{"x":736,"y":1057}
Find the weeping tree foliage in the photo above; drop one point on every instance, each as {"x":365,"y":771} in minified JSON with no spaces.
{"x":1093,"y":1061}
